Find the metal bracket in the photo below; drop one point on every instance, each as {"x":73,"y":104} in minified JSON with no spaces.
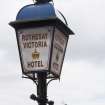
{"x":33,"y":78}
{"x":34,"y":98}
{"x":51,"y":80}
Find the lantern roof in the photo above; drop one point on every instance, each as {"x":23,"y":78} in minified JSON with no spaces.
{"x":39,"y":15}
{"x":39,"y":12}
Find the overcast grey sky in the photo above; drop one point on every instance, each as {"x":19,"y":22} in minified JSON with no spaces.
{"x":83,"y":74}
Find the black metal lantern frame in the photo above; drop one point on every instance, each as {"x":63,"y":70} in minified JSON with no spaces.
{"x":53,"y":22}
{"x":37,"y":20}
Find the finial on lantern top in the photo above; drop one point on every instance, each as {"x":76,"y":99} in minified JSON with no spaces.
{"x":42,"y":1}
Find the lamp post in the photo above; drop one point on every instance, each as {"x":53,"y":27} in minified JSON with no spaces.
{"x":42,"y":39}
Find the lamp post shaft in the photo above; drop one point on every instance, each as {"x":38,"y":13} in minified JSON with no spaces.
{"x":42,"y":88}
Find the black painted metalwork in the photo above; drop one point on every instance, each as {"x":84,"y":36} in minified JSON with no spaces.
{"x":24,"y":21}
{"x":42,"y":1}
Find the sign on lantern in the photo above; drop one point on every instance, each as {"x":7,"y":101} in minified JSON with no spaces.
{"x":59,"y":47}
{"x":42,"y":39}
{"x":35,"y":46}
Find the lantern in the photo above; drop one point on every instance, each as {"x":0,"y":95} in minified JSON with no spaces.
{"x":42,"y":35}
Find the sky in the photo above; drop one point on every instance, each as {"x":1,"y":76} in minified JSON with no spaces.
{"x":83,"y":74}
